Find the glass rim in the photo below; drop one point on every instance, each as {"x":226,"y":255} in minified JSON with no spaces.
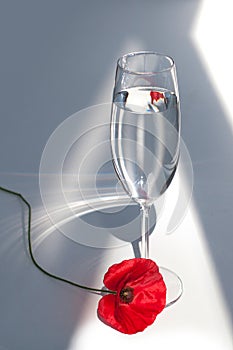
{"x":137,"y":53}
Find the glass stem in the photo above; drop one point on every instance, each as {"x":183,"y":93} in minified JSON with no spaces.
{"x":145,"y":231}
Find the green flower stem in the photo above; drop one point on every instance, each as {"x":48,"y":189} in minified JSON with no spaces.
{"x":90,"y":289}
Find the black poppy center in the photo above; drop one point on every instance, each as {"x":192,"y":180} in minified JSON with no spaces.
{"x":126,"y":295}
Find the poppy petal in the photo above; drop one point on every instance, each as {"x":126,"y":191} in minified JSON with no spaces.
{"x":133,"y":321}
{"x":106,"y":312}
{"x":130,"y":270}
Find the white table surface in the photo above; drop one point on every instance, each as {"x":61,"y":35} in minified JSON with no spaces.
{"x":59,"y":57}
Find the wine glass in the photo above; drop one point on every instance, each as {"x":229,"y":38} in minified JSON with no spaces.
{"x":145,"y":131}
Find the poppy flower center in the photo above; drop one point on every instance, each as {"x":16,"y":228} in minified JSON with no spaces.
{"x":126,"y":295}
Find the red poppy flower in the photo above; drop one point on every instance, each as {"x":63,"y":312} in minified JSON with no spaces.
{"x":156,"y":95}
{"x":140,"y":295}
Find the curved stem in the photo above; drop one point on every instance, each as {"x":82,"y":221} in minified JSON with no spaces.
{"x":90,"y":289}
{"x":145,"y":231}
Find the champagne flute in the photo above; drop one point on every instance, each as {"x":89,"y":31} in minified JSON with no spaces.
{"x":145,"y":129}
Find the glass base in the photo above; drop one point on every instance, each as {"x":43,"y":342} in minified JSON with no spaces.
{"x":174,"y":285}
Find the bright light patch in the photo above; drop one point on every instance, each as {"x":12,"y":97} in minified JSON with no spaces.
{"x":200,"y":319}
{"x":212,"y":36}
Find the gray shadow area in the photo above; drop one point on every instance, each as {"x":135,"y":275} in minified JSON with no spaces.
{"x":54,"y":57}
{"x":34,"y":308}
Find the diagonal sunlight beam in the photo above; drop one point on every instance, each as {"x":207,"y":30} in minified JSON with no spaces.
{"x":196,"y":255}
{"x":212,"y":37}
